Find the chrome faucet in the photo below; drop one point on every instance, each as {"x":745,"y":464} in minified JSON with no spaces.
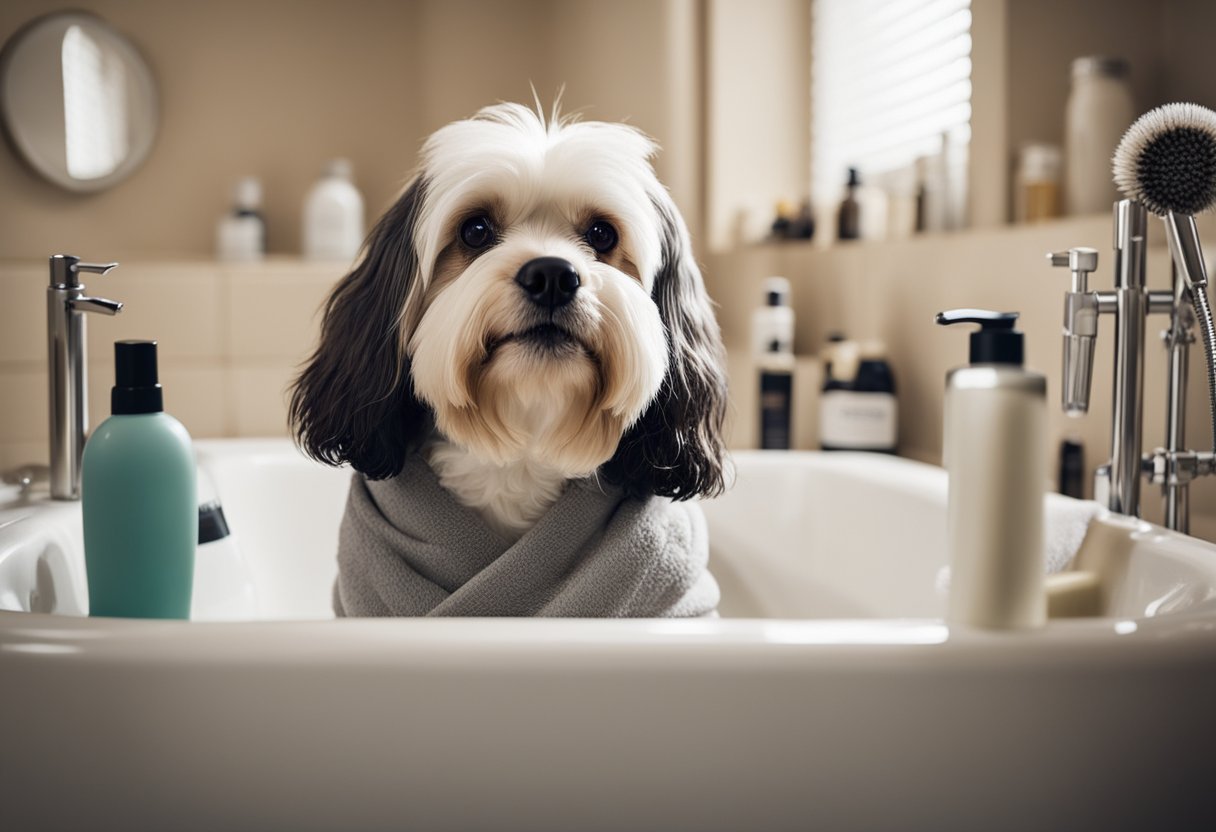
{"x":67,"y":368}
{"x":1117,"y":484}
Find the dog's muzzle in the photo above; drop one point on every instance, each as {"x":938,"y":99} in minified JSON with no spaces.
{"x":549,"y":282}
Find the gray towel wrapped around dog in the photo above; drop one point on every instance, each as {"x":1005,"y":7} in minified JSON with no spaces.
{"x":407,"y":547}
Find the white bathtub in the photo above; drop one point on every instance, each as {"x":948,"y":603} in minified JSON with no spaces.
{"x":830,"y":695}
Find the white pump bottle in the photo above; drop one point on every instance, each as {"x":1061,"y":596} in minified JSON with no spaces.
{"x":995,"y":435}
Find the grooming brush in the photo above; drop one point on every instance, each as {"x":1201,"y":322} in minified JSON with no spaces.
{"x":1167,"y":162}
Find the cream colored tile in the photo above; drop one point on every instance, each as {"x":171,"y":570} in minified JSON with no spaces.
{"x":197,"y":396}
{"x":807,"y":383}
{"x":23,"y":406}
{"x":16,"y":454}
{"x":23,"y":313}
{"x":259,"y":399}
{"x":742,"y":411}
{"x":176,"y":305}
{"x":273,"y":310}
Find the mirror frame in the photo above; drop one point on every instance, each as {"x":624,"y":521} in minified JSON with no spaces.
{"x":141,"y":147}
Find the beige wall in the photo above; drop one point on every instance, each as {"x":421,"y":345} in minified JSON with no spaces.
{"x":758,"y":89}
{"x":273,"y":88}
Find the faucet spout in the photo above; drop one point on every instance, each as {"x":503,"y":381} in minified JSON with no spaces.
{"x":100,"y":305}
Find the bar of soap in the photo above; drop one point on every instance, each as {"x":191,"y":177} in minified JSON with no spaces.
{"x":1073,"y":595}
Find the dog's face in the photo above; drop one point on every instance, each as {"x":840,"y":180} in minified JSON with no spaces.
{"x":535,"y":332}
{"x":533,"y":295}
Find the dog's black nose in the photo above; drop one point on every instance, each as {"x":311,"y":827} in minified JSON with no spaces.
{"x":548,"y":281}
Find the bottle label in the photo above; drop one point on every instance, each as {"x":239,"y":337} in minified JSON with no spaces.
{"x":862,"y":421}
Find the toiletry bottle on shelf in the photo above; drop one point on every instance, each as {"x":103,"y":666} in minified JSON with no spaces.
{"x":873,"y":210}
{"x":933,"y":197}
{"x":803,"y":225}
{"x":773,"y":350}
{"x":776,"y":399}
{"x":1099,"y":111}
{"x":857,"y":407}
{"x":848,"y":219}
{"x":827,"y":356}
{"x":1037,"y":187}
{"x":774,"y":319}
{"x":241,"y":233}
{"x":138,"y":498}
{"x":1071,"y":480}
{"x":333,"y":215}
{"x":995,"y":430}
{"x":783,"y":219}
{"x":839,"y":370}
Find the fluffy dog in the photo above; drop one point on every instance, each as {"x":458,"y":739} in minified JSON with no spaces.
{"x":528,"y":313}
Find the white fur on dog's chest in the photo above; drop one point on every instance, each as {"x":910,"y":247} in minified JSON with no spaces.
{"x":511,"y":498}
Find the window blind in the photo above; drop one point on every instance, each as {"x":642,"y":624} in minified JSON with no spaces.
{"x":889,"y":79}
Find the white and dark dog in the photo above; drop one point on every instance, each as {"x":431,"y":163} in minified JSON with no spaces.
{"x":528,"y":313}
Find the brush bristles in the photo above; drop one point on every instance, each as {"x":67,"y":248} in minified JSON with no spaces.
{"x":1167,"y":160}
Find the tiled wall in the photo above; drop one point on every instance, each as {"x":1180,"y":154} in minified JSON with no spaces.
{"x":231,"y":337}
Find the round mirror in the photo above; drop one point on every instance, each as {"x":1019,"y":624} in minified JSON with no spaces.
{"x":77,"y":100}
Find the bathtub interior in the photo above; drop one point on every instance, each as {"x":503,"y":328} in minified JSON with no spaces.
{"x":787,"y":541}
{"x":798,"y":536}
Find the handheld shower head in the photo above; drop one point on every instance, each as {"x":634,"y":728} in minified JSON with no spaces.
{"x":1167,"y":162}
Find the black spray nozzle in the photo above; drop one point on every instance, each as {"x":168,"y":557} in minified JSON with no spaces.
{"x":136,"y":384}
{"x":996,"y":342}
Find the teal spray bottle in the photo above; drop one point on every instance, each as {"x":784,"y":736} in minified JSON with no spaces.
{"x":138,"y":494}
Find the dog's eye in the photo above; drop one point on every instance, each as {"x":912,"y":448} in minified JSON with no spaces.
{"x":477,"y":232}
{"x":601,"y":236}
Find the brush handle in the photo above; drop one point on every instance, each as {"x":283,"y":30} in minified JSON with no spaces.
{"x":1183,"y":238}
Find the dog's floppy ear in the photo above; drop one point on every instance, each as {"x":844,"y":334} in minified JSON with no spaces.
{"x":676,"y":448}
{"x":353,"y":401}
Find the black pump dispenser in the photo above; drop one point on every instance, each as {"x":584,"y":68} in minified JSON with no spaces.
{"x":996,"y":342}
{"x":136,"y":388}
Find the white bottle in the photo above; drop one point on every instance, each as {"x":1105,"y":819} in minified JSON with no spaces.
{"x":333,"y":215}
{"x":994,"y":451}
{"x":1100,"y":109}
{"x":241,"y":233}
{"x":774,"y":321}
{"x":874,"y":210}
